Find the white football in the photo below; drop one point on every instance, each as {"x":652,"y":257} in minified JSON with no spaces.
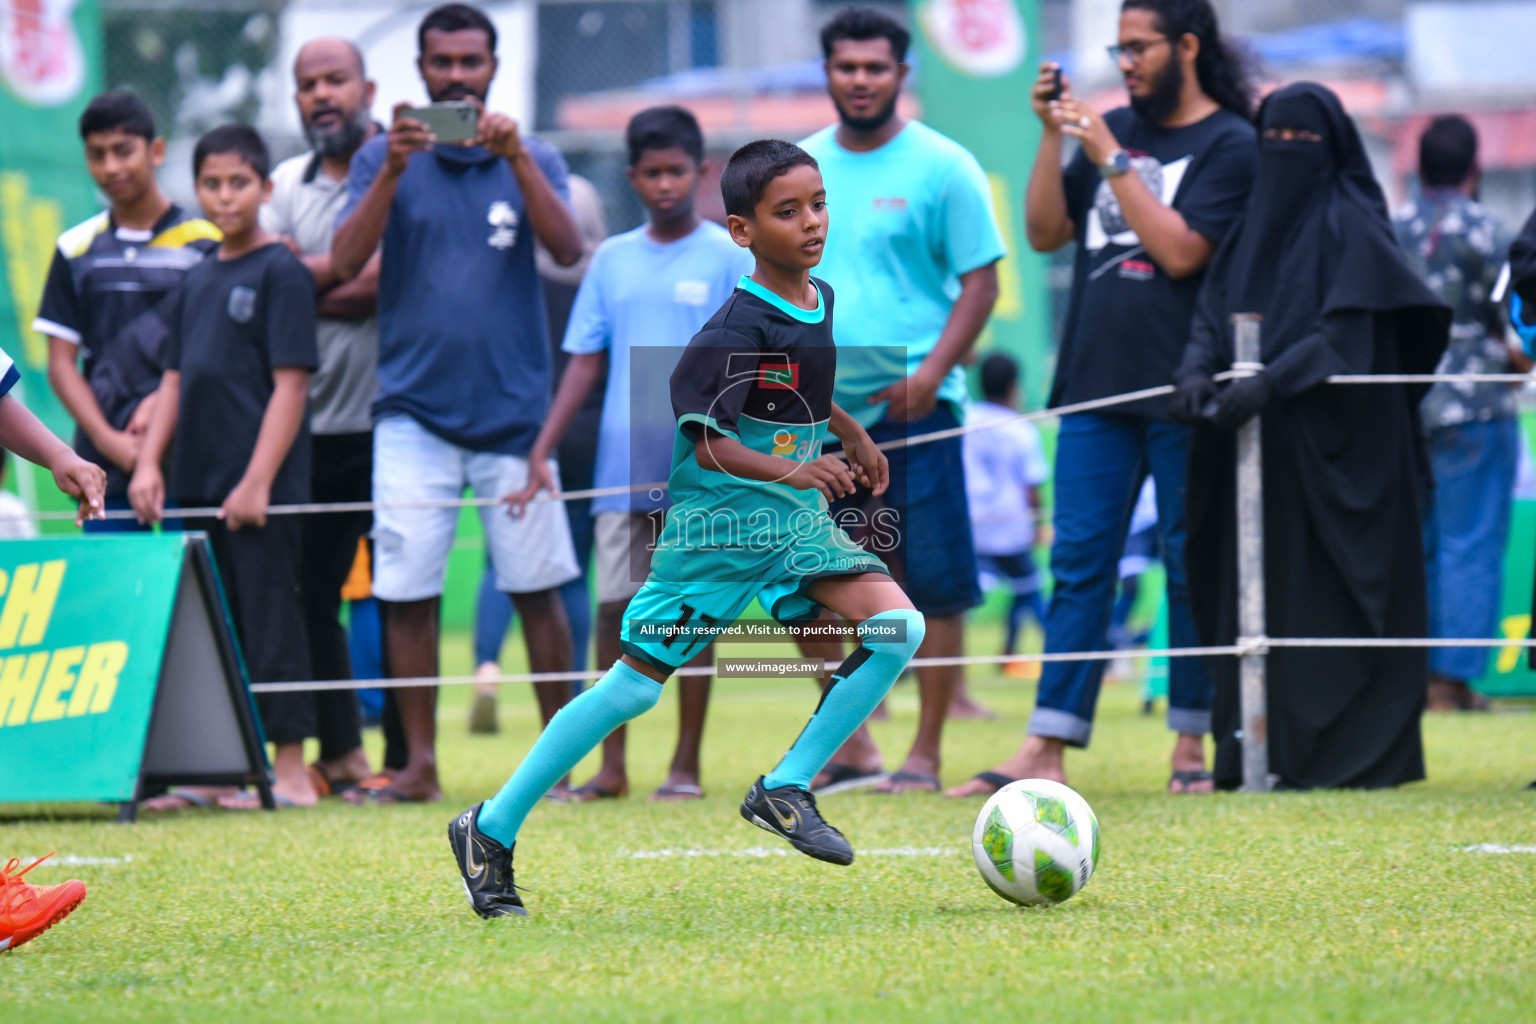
{"x":1036,"y":842}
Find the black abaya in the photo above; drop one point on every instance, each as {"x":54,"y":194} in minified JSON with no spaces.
{"x":1344,"y":466}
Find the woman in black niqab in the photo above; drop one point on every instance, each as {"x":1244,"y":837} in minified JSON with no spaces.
{"x":1345,"y":470}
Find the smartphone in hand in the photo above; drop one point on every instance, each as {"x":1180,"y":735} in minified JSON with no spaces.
{"x":450,"y":121}
{"x":1055,"y":93}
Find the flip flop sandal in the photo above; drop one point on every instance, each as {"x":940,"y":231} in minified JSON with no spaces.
{"x":325,"y":785}
{"x":678,"y":792}
{"x":380,"y":789}
{"x":1187,"y":779}
{"x":845,"y":777}
{"x":588,"y":793}
{"x":997,"y":780}
{"x":921,"y":783}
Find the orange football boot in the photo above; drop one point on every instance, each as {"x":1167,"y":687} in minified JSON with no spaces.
{"x":26,"y":911}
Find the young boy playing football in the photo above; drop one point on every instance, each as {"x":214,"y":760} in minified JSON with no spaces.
{"x":752,"y":394}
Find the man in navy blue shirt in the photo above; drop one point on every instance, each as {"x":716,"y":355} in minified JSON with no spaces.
{"x":464,"y":370}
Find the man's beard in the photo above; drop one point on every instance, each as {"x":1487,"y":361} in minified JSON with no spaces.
{"x":871,"y":123}
{"x":1167,"y":90}
{"x":455,"y":91}
{"x":344,"y":139}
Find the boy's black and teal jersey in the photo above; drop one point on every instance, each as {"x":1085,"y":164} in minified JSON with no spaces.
{"x":760,"y":372}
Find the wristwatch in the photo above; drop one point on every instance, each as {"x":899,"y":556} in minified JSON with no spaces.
{"x":1118,"y":163}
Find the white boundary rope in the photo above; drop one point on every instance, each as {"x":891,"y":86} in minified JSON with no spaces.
{"x":1245,"y":647}
{"x":321,"y":507}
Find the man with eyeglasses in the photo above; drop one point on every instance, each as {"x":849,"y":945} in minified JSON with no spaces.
{"x":1148,"y":196}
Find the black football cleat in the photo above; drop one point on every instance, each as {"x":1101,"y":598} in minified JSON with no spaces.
{"x":486,"y":868}
{"x":791,"y":813}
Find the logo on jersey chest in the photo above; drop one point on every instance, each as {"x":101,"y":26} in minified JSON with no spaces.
{"x":783,"y":377}
{"x":788,"y":444}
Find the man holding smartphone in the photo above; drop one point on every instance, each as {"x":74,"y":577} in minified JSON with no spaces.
{"x":1149,"y":195}
{"x":464,"y":369}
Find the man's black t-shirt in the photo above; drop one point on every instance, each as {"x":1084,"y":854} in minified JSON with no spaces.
{"x":1128,"y":321}
{"x":232,"y":323}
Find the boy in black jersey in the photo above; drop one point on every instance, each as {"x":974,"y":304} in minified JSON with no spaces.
{"x":753,"y":400}
{"x":235,"y":391}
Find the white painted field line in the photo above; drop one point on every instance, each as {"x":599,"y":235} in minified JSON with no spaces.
{"x":1497,"y":848}
{"x":71,"y":860}
{"x":783,"y":851}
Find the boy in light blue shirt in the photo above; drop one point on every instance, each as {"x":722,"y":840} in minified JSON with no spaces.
{"x":645,"y":289}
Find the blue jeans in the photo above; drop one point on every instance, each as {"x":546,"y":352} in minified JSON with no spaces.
{"x":1101,"y":462}
{"x":494,"y":611}
{"x":1466,"y":525}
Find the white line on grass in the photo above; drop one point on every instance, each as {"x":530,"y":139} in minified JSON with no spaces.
{"x":70,"y":860}
{"x":1497,"y":848}
{"x":780,"y":851}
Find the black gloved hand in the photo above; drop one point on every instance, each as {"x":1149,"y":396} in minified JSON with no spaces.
{"x":1190,"y":398}
{"x":1242,"y":400}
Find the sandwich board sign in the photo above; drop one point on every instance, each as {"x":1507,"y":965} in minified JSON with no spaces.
{"x":119,"y":672}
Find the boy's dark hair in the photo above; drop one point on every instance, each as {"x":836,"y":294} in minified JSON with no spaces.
{"x":861,"y":23}
{"x":1221,"y":66}
{"x":455,"y":18}
{"x":668,"y":127}
{"x":117,"y":110}
{"x":752,"y":167}
{"x":1447,"y":151}
{"x":241,"y":140}
{"x":999,"y":373}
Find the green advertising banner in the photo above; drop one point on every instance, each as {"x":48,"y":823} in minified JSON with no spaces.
{"x":83,"y":623}
{"x":50,"y":61}
{"x":119,"y":672}
{"x":977,"y":62}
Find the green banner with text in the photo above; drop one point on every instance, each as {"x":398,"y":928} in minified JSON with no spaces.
{"x":50,"y":66}
{"x":976,"y":65}
{"x":83,"y":627}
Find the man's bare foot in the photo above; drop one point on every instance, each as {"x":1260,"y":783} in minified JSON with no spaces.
{"x":1040,"y":757}
{"x":918,"y":774}
{"x":962,"y":706}
{"x":679,"y":786}
{"x":396,"y":787}
{"x":607,"y":784}
{"x":1188,"y":765}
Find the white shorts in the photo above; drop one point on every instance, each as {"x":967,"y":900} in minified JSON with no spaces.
{"x":622,"y":545}
{"x":411,"y":545}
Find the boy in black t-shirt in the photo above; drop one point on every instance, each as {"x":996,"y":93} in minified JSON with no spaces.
{"x":1150,"y":194}
{"x":238,"y":359}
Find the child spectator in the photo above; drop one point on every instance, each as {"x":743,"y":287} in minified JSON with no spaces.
{"x":1004,"y":468}
{"x":110,"y":278}
{"x":238,"y":360}
{"x":646,"y":289}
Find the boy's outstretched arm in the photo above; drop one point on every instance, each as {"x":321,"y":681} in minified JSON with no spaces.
{"x":828,"y":474}
{"x":146,"y":491}
{"x":246,"y":505}
{"x":24,"y":434}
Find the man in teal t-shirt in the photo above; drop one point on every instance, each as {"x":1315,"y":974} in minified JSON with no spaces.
{"x":912,"y":254}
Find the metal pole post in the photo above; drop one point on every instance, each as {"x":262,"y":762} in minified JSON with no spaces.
{"x":1250,"y":569}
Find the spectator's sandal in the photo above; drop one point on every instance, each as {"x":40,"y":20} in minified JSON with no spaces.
{"x":997,"y":780}
{"x":380,"y":789}
{"x":1187,"y":780}
{"x":677,"y":792}
{"x":325,"y":785}
{"x":844,"y":777}
{"x":917,"y":782}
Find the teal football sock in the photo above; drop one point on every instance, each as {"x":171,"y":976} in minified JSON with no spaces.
{"x":887,"y":643}
{"x":571,"y":735}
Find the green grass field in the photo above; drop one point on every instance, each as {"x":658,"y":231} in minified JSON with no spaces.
{"x":1328,"y":906}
